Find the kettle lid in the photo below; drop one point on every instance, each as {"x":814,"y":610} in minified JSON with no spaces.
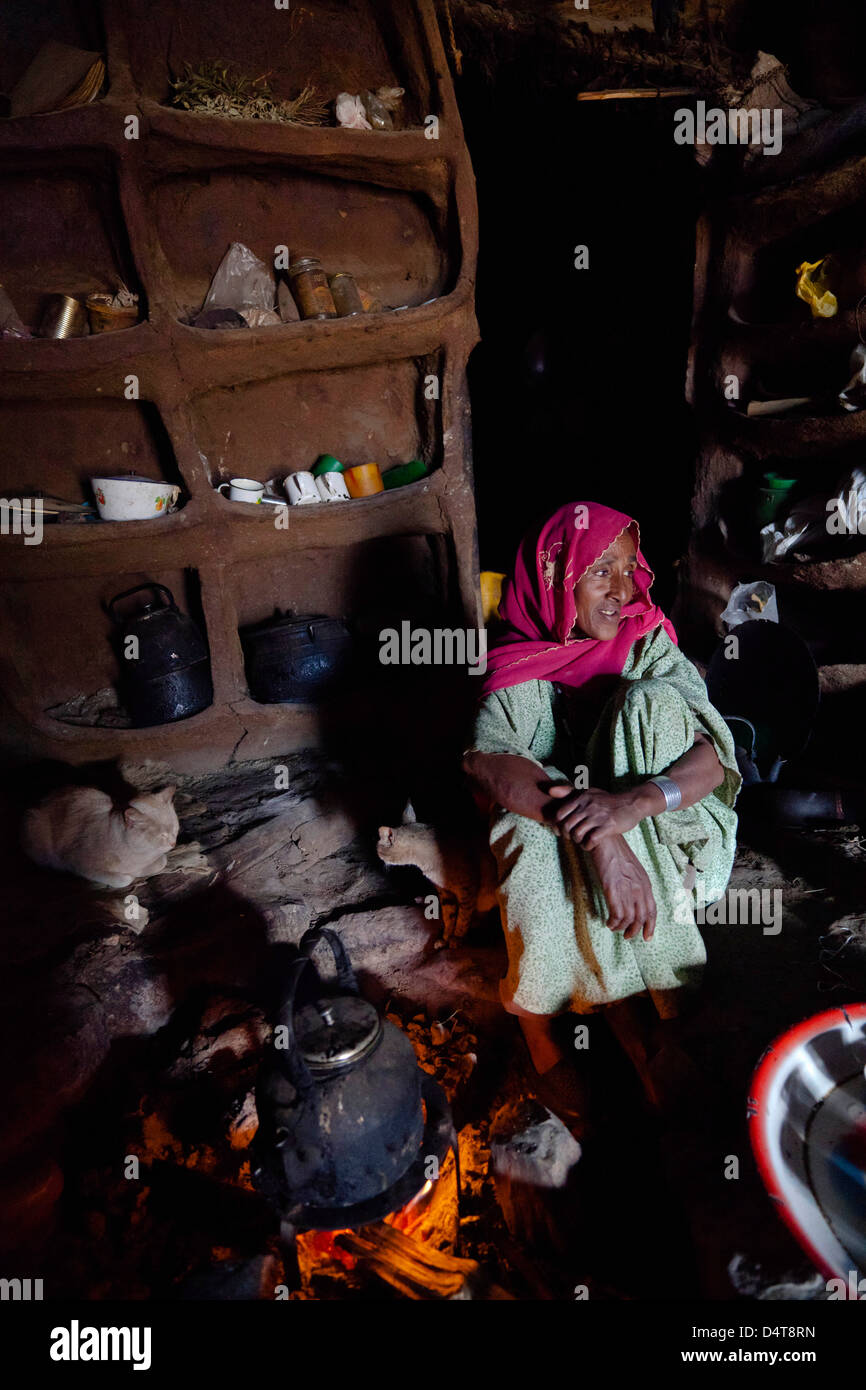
{"x":334,"y":1032}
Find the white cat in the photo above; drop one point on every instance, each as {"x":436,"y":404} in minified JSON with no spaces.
{"x":80,"y":831}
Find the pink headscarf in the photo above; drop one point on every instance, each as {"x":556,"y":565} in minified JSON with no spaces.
{"x":538,"y":603}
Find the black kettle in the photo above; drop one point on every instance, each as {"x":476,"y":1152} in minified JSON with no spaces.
{"x":163,"y":658}
{"x":342,"y":1137}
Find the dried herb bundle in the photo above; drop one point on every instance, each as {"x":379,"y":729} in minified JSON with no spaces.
{"x":217,"y":90}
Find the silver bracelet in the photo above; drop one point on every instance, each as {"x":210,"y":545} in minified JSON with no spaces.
{"x":672,"y":794}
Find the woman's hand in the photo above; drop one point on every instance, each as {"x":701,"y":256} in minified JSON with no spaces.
{"x":626,"y":885}
{"x":593,"y":815}
{"x":507,"y":779}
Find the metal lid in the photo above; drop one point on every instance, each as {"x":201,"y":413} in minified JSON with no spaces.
{"x":302,"y":263}
{"x":333,"y":1032}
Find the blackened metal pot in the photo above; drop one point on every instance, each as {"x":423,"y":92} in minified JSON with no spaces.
{"x":164,"y":660}
{"x":297,"y":660}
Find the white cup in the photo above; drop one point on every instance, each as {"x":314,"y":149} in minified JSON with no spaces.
{"x":301,"y":489}
{"x":332,"y":487}
{"x":244,"y":490}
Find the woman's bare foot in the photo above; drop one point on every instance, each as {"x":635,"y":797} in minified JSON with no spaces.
{"x":552,"y":1075}
{"x":566,"y":1096}
{"x":656,"y":1050}
{"x":626,"y":887}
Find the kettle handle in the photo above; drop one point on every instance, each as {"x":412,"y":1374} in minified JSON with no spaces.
{"x":127,"y":593}
{"x":288,"y":1058}
{"x":345,"y":974}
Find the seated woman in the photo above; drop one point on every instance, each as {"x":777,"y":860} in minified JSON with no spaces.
{"x":610,"y":781}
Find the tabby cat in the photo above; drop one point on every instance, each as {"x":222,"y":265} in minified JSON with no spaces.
{"x":462,"y":869}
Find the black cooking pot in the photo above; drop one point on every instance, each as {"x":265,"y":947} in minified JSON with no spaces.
{"x":164,"y":660}
{"x":339,"y":1097}
{"x":296,"y":660}
{"x":771,"y":686}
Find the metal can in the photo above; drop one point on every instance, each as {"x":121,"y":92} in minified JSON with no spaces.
{"x":309,"y":285}
{"x":63,"y":317}
{"x":345,"y":294}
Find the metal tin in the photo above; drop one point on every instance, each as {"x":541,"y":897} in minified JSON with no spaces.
{"x":309,"y":285}
{"x":345,"y":293}
{"x":63,"y":317}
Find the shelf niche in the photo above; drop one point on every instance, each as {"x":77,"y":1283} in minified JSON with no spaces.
{"x":58,"y":450}
{"x":360,"y":414}
{"x":376,"y":582}
{"x":764,"y":276}
{"x":343,"y":47}
{"x":26,"y":25}
{"x":63,"y":231}
{"x":387,"y":238}
{"x":79,"y":635}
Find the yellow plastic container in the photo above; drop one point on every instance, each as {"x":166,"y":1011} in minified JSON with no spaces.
{"x":491,"y":593}
{"x":812,"y":288}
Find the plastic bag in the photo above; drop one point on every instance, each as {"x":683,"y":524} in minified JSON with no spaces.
{"x":350,"y":112}
{"x":812,"y":288}
{"x":241,"y":282}
{"x":853,"y":396}
{"x":377,"y":112}
{"x":261,"y":318}
{"x":392,"y":100}
{"x":10,"y":324}
{"x":750,"y":601}
{"x":814,"y":520}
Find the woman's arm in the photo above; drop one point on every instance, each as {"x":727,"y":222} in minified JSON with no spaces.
{"x":593,"y":815}
{"x":697,"y":773}
{"x":518,"y":784}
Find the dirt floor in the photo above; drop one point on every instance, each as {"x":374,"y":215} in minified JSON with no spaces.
{"x":137,"y":1026}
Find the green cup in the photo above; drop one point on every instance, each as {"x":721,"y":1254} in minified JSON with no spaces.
{"x":772,"y":496}
{"x":326,"y":463}
{"x":405,"y":473}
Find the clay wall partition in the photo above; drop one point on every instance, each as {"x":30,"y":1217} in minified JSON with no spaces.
{"x":86,"y":206}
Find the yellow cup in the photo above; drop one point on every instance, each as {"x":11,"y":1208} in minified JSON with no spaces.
{"x":365,"y":480}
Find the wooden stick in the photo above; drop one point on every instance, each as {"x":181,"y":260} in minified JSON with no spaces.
{"x":616,"y":93}
{"x":415,"y":1269}
{"x":778,"y":407}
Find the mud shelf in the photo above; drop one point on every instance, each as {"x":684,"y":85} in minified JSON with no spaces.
{"x":747,"y":249}
{"x":159,"y":211}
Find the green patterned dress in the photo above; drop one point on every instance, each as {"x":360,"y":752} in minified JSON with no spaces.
{"x":561,"y":955}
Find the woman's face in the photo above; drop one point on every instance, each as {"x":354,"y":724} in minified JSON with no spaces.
{"x":604,"y":591}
